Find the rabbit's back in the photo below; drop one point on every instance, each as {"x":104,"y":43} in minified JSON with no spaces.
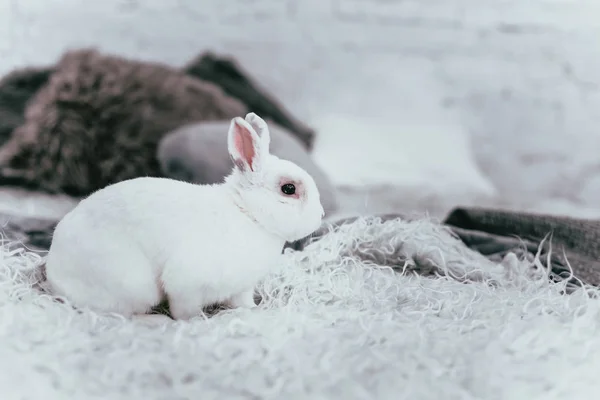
{"x":153,"y":214}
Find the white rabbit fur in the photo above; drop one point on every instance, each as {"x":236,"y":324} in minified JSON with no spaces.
{"x":128,"y":246}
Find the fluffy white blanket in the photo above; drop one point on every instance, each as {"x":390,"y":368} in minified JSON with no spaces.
{"x":335,"y":323}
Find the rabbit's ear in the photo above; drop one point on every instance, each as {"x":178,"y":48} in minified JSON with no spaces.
{"x":245,"y":146}
{"x":261,"y":128}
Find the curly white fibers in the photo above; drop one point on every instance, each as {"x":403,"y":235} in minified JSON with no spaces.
{"x":333,"y":324}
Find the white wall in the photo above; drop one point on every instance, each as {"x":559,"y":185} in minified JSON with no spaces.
{"x":402,"y":91}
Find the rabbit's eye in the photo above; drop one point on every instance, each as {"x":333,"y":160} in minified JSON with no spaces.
{"x":288,"y":189}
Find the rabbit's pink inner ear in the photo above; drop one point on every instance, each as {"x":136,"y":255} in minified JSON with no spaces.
{"x":244,"y":146}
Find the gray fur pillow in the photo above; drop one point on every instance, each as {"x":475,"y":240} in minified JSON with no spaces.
{"x":99,"y":119}
{"x":229,"y":74}
{"x":198,"y":153}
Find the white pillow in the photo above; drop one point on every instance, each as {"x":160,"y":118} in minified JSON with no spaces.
{"x":359,"y":150}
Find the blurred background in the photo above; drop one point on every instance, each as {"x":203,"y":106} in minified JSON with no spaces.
{"x":418,"y":105}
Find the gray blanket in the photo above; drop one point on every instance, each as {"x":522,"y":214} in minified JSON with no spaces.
{"x":494,"y":233}
{"x":571,"y":240}
{"x":490,"y":232}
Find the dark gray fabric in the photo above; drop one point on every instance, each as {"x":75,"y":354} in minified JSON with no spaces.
{"x":33,"y":233}
{"x":16,"y":89}
{"x":496,"y":232}
{"x":198,"y":153}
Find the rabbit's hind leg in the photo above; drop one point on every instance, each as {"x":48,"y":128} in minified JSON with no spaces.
{"x":189,"y":303}
{"x":108,"y":277}
{"x":243,"y":300}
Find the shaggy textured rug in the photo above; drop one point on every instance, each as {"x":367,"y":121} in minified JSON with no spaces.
{"x":335,"y":323}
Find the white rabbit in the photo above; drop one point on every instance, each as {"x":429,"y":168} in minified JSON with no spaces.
{"x":128,"y":246}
